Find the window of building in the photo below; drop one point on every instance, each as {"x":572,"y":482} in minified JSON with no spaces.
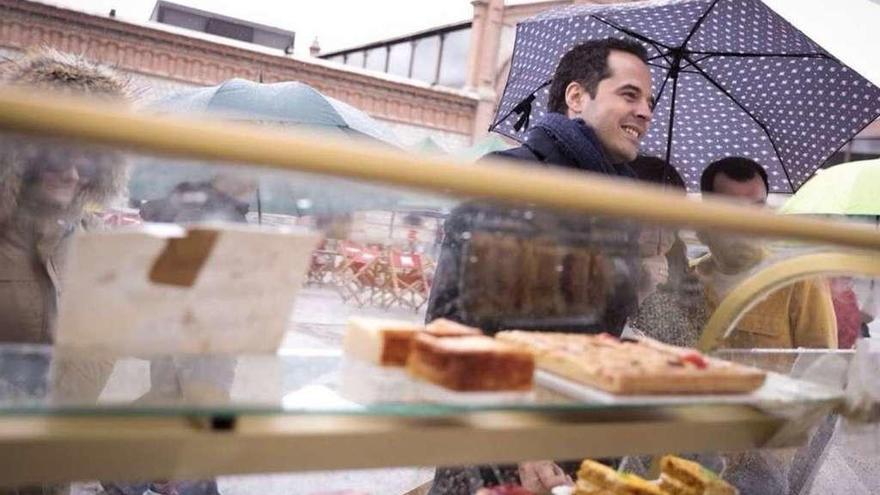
{"x":425,"y":59}
{"x":355,"y":58}
{"x":230,"y":30}
{"x":399,"y":58}
{"x":376,"y":58}
{"x":453,"y":62}
{"x":179,"y":18}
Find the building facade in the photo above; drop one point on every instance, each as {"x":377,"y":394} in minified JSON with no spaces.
{"x":441,"y":84}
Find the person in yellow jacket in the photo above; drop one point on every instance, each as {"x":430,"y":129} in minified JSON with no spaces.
{"x":798,"y":315}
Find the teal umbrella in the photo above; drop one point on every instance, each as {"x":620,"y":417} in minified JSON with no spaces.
{"x":847,"y":189}
{"x":287,"y":105}
{"x":283,"y":103}
{"x":483,"y":147}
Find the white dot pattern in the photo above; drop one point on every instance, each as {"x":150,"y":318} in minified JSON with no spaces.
{"x":790,"y":111}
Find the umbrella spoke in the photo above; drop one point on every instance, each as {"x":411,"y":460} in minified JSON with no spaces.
{"x":699,"y":23}
{"x":662,"y":87}
{"x":691,"y":62}
{"x":671,"y":116}
{"x":760,"y":55}
{"x":748,"y":112}
{"x":641,"y":37}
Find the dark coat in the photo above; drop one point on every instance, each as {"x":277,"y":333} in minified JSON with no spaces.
{"x":496,"y":266}
{"x":195,"y":202}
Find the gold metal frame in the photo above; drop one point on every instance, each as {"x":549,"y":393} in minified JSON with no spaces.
{"x":96,"y":122}
{"x":754,"y":288}
{"x":59,"y":449}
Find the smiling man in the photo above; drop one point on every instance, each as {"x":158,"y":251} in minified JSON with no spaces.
{"x":503,"y":267}
{"x":600,"y":106}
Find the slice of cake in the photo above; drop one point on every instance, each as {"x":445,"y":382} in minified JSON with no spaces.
{"x":380,"y":341}
{"x":470,"y":363}
{"x":441,"y":327}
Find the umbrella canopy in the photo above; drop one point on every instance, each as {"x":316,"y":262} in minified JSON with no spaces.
{"x":483,"y":147}
{"x":285,"y":103}
{"x":731,"y":78}
{"x":845,"y":189}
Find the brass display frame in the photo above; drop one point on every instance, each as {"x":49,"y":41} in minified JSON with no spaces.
{"x":56,"y":449}
{"x":751,"y":290}
{"x":237,"y":144}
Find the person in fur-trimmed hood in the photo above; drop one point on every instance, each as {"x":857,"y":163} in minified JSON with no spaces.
{"x":46,"y":187}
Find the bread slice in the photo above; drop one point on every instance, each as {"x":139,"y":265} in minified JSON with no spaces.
{"x":602,"y":479}
{"x":674,"y":486}
{"x":596,"y":476}
{"x":380,"y":341}
{"x":677,"y":472}
{"x":470,"y":363}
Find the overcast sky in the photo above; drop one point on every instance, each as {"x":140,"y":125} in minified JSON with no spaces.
{"x":337,"y":23}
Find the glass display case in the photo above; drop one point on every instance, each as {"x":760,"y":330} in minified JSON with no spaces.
{"x":183,"y":314}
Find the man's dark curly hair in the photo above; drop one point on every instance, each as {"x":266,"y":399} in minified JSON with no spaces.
{"x":587,"y":64}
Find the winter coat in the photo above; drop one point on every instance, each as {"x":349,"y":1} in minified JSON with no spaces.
{"x":518,"y":267}
{"x":34,"y":241}
{"x":34,"y":238}
{"x":800,"y":314}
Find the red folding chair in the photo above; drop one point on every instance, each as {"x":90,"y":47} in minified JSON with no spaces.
{"x":359,"y":276}
{"x":408,"y":283}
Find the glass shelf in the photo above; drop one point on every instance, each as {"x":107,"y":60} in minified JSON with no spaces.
{"x":322,"y":381}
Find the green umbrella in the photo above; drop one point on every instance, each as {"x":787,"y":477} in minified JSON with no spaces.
{"x":483,"y":147}
{"x":847,"y":189}
{"x":287,"y":105}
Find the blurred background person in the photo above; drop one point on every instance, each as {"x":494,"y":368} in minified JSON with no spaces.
{"x":45,"y":187}
{"x":226,"y":198}
{"x":798,"y":315}
{"x":672,"y":308}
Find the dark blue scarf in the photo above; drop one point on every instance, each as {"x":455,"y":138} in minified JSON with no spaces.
{"x":578,"y":142}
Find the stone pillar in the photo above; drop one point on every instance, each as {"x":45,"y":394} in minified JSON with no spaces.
{"x":481,"y":7}
{"x":483,"y":59}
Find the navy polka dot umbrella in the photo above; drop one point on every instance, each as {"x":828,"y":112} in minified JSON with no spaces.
{"x":731,"y":77}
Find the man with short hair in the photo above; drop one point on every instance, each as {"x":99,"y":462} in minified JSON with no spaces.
{"x":600,"y":104}
{"x":798,"y":315}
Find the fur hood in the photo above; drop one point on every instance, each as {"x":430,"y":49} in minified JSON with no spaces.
{"x":50,"y":70}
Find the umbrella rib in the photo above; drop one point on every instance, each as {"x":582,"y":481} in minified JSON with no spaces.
{"x":662,"y":87}
{"x":690,"y":62}
{"x":759,"y":55}
{"x":514,"y":109}
{"x":671,"y":120}
{"x":699,"y":23}
{"x":747,"y":112}
{"x":632,"y":33}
